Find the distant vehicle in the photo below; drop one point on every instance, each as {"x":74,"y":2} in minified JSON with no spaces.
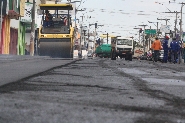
{"x":103,"y":50}
{"x":124,"y":48}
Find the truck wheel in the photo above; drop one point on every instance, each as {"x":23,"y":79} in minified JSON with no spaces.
{"x":113,"y":58}
{"x":130,"y":57}
{"x":126,"y":57}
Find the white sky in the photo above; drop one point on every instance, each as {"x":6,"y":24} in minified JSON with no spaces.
{"x":119,"y":17}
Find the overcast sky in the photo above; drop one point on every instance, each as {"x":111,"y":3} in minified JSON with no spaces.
{"x":119,"y":17}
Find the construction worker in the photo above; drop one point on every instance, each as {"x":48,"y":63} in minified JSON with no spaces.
{"x":48,"y":19}
{"x":156,"y":46}
{"x":165,"y":48}
{"x":175,"y":48}
{"x":65,"y":21}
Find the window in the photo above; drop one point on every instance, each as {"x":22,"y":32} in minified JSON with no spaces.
{"x":124,"y":42}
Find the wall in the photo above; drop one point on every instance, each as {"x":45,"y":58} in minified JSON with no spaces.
{"x":14,"y":26}
{"x":5,"y":36}
{"x":2,"y":38}
{"x":21,"y":39}
{"x":13,"y":41}
{"x":27,"y":38}
{"x":27,"y":41}
{"x":14,"y":23}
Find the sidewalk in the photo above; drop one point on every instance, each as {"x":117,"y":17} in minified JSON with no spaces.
{"x":14,"y":68}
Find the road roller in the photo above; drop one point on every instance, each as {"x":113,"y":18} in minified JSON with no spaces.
{"x":56,"y":34}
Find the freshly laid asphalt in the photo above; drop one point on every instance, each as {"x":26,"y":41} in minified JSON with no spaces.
{"x":15,"y":67}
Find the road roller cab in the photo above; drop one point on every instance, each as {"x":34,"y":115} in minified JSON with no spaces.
{"x":56,"y":33}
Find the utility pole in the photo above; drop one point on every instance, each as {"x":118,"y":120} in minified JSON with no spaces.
{"x":181,"y":34}
{"x":107,"y":38}
{"x":144,"y":38}
{"x":181,"y":21}
{"x":175,"y":21}
{"x":96,"y":25}
{"x":81,"y":31}
{"x":139,"y":38}
{"x":94,"y":39}
{"x":32,"y":36}
{"x":88,"y":35}
{"x":76,"y":24}
{"x":81,"y":27}
{"x":80,"y":47}
{"x":156,"y":26}
{"x":164,"y":19}
{"x":76,"y":13}
{"x":82,"y":18}
{"x":84,"y":31}
{"x":139,"y":35}
{"x":149,"y":42}
{"x":176,"y":24}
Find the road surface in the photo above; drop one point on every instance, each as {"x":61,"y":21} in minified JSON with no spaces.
{"x":98,"y":91}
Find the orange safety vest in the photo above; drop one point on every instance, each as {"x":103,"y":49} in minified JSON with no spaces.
{"x":156,"y":45}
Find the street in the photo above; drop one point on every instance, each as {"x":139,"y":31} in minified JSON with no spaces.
{"x":98,"y":91}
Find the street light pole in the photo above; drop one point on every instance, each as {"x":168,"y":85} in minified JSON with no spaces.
{"x":144,"y":38}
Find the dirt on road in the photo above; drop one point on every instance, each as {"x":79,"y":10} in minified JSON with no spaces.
{"x":98,"y":91}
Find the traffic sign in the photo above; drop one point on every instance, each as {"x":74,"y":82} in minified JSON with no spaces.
{"x":150,"y":31}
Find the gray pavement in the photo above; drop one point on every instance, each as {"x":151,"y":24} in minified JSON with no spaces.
{"x":14,"y":68}
{"x":97,"y":91}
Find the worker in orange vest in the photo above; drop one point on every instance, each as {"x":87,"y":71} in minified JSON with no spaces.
{"x":156,"y":46}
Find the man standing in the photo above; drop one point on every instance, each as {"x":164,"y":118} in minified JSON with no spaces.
{"x":156,"y":46}
{"x":165,"y":48}
{"x":174,"y":47}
